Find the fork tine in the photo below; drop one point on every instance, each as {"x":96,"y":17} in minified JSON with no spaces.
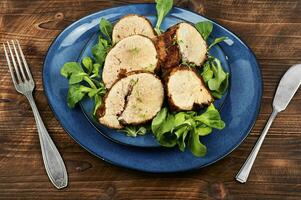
{"x":24,"y":61}
{"x":9,"y":65}
{"x":14,"y":63}
{"x":19,"y":61}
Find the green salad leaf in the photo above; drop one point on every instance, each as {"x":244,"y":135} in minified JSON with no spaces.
{"x":82,"y":82}
{"x":215,"y":77}
{"x":211,"y":118}
{"x":203,"y":130}
{"x":167,"y":139}
{"x":207,"y":73}
{"x":185,"y":128}
{"x":216,"y":41}
{"x":77,"y":77}
{"x":95,"y":69}
{"x":158,"y":121}
{"x":204,"y":28}
{"x":163,"y":122}
{"x":106,"y":28}
{"x":133,"y":131}
{"x":98,"y":102}
{"x":100,"y":51}
{"x":88,"y":64}
{"x":163,"y":7}
{"x":70,"y":68}
{"x":181,"y":134}
{"x":75,"y":94}
{"x":195,"y":146}
{"x":218,"y":75}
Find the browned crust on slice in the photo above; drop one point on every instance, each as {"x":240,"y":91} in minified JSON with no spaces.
{"x":168,"y":50}
{"x":171,"y":103}
{"x":101,"y":110}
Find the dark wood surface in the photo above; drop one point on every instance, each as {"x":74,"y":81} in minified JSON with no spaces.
{"x":273,"y":31}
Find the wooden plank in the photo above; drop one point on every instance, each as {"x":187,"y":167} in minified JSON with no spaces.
{"x":271,"y":28}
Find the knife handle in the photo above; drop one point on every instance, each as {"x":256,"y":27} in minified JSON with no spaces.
{"x":244,"y":172}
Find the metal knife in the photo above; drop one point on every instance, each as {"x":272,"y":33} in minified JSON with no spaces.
{"x":287,"y":87}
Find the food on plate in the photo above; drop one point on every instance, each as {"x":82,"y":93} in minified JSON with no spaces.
{"x":215,"y":77}
{"x":132,"y":53}
{"x":134,"y":99}
{"x":132,"y":25}
{"x":184,"y":129}
{"x":168,"y":50}
{"x":181,"y":43}
{"x":163,"y":7}
{"x":193,"y":47}
{"x":186,"y":89}
{"x":125,"y":73}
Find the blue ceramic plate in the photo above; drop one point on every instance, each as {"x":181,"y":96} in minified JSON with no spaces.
{"x":239,"y":108}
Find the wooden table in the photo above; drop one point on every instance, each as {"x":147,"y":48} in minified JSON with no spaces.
{"x":273,"y":31}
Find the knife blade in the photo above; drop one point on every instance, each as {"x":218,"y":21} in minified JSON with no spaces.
{"x":287,"y":87}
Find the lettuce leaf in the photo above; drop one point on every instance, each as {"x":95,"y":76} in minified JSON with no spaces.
{"x":186,"y":128}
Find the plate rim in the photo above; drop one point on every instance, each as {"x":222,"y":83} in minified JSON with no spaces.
{"x":249,"y":129}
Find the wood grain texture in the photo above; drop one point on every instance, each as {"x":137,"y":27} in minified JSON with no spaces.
{"x":273,"y":31}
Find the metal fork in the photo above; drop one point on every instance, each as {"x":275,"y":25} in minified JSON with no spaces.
{"x":24,"y":84}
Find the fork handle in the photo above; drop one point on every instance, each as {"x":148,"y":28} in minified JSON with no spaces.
{"x":52,"y":159}
{"x":245,"y":170}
